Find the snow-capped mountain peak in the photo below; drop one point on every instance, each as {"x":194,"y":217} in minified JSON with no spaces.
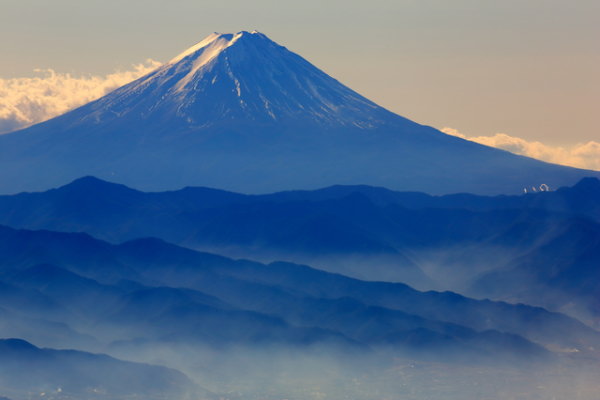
{"x":238,"y":111}
{"x":239,"y":77}
{"x":207,"y":50}
{"x":213,"y":44}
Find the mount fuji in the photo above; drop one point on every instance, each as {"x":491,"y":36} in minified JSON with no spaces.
{"x":240,"y":112}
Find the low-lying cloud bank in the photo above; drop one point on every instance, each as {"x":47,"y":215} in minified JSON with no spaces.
{"x":583,"y":155}
{"x":27,"y":101}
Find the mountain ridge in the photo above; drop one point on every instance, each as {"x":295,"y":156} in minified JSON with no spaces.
{"x":76,"y":374}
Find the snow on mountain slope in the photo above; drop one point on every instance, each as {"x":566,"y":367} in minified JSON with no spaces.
{"x":240,"y":112}
{"x":243,"y":76}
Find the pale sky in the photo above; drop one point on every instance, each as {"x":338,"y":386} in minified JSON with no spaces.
{"x":525,"y":68}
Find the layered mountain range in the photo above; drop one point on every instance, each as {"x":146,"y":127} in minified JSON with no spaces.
{"x":240,"y":112}
{"x":360,"y":274}
{"x":149,"y":301}
{"x":504,"y":247}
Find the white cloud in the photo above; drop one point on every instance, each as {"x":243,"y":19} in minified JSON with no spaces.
{"x":582,"y":155}
{"x":26,"y":101}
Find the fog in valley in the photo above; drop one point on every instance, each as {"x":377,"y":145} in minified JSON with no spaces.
{"x":231,"y":302}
